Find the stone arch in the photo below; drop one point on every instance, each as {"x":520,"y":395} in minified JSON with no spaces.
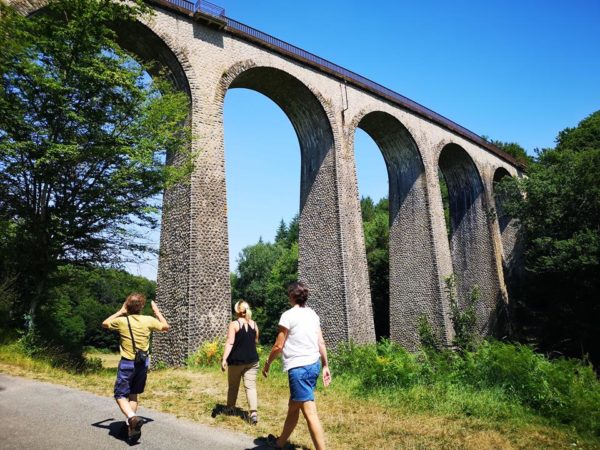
{"x":305,"y":108}
{"x":320,"y":262}
{"x":412,"y":271}
{"x":141,"y":38}
{"x":471,"y":244}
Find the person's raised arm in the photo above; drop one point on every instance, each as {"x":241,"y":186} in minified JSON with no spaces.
{"x":165,"y":325}
{"x":277,"y":349}
{"x":228,"y":344}
{"x":324,"y":361}
{"x":119,"y":313}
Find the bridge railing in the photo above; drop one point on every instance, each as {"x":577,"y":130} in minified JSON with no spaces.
{"x":352,"y":77}
{"x":209,"y":8}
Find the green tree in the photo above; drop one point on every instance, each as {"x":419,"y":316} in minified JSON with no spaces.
{"x":81,"y":298}
{"x":254,"y":269}
{"x":560,"y":215}
{"x":283,"y":272}
{"x":84,"y":135}
{"x":376,"y":231}
{"x":282,"y":233}
{"x":513,"y":149}
{"x":263,"y":274}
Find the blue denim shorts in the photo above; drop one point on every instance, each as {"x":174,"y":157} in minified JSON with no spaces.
{"x":303,"y":381}
{"x":131,"y":378}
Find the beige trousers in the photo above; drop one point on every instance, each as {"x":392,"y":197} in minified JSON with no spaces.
{"x":248,"y":373}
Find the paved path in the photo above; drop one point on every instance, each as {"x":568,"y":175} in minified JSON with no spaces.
{"x":36,"y":415}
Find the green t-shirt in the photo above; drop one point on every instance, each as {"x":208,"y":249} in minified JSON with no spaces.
{"x":141,"y":326}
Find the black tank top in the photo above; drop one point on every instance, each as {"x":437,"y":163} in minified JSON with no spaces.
{"x":244,"y":346}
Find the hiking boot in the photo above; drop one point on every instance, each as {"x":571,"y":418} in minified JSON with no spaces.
{"x":135,"y":429}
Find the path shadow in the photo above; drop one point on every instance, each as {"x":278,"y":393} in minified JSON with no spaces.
{"x":118,"y":428}
{"x":262,"y":443}
{"x":221,"y":409}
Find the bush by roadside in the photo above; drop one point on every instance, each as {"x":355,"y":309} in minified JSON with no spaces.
{"x":495,"y":380}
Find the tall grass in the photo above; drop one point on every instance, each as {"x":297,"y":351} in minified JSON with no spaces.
{"x":497,"y":380}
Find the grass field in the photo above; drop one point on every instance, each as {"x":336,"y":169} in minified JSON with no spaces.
{"x":349,"y":422}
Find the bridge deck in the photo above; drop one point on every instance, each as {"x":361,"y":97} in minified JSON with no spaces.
{"x":215,"y":16}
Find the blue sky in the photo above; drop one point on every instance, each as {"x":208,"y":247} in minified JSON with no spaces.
{"x":517,"y":71}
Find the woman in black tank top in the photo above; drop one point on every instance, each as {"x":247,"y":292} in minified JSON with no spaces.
{"x":241,"y":359}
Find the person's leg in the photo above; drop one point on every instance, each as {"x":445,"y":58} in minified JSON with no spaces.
{"x":309,"y":410}
{"x":125,"y":374}
{"x":133,"y":402}
{"x":290,"y":422}
{"x":234,"y":374}
{"x":138,"y":384}
{"x":250,"y":385}
{"x":125,"y":407}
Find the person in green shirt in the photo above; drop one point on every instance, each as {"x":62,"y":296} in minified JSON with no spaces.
{"x":131,"y":375}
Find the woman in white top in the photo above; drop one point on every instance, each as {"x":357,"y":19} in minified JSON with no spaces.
{"x":301,"y":341}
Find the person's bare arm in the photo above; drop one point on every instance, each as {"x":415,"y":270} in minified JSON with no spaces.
{"x":228,"y":344}
{"x":119,"y":313}
{"x":257,"y":332}
{"x":276,"y":350}
{"x":324,"y":361}
{"x":165,"y":325}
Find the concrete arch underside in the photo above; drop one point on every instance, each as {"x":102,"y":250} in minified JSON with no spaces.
{"x":470,"y":237}
{"x":413,"y":284}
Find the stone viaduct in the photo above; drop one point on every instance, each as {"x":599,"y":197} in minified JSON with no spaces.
{"x":207,"y":54}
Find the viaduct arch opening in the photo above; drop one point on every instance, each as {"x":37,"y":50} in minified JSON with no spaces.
{"x":262,"y":167}
{"x":411,"y":260}
{"x":373,"y":184}
{"x":318,"y":264}
{"x":469,"y":236}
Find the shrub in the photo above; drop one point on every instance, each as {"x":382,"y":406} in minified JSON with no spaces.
{"x":497,"y":380}
{"x":562,"y":389}
{"x":209,"y":354}
{"x":32,"y":345}
{"x":463,"y":317}
{"x":385,"y":364}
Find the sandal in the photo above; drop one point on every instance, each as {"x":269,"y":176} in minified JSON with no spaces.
{"x":253,"y":419}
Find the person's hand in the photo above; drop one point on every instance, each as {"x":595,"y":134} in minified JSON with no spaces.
{"x":266,"y":368}
{"x":223,"y":365}
{"x":326,"y":376}
{"x":123,"y":310}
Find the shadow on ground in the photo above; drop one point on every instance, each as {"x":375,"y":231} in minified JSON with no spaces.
{"x":221,"y":409}
{"x":118,"y":428}
{"x":262,"y":443}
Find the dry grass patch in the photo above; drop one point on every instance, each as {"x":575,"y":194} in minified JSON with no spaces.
{"x":349,"y":422}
